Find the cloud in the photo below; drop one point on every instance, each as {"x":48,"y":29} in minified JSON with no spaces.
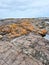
{"x":24,"y":8}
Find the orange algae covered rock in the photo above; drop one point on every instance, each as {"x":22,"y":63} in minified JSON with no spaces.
{"x":43,"y":31}
{"x":17,"y":31}
{"x":22,"y":31}
{"x":13,"y":25}
{"x":13,"y":34}
{"x":28,"y":26}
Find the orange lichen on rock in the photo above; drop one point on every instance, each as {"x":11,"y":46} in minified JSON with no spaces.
{"x":18,"y":29}
{"x":13,"y":25}
{"x":42,"y":31}
{"x":27,"y":26}
{"x":13,"y":34}
{"x":22,"y":30}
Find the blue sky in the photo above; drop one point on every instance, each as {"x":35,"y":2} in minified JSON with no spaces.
{"x":24,"y":8}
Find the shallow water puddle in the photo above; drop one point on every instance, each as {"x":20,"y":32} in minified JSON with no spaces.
{"x":47,"y":37}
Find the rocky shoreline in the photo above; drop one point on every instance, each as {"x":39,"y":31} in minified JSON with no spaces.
{"x":27,"y":46}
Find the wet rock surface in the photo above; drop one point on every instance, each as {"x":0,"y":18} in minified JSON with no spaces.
{"x":25,"y":49}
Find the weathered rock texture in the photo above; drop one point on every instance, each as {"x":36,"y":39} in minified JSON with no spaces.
{"x":25,"y":50}
{"x":29,"y":48}
{"x":21,"y":28}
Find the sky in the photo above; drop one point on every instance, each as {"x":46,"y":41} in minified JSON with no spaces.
{"x":24,"y":8}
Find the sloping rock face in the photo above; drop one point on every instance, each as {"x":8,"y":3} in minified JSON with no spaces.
{"x":21,"y":42}
{"x":25,"y":50}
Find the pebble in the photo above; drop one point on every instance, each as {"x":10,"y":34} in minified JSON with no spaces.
{"x":41,"y":59}
{"x":45,"y":61}
{"x":1,"y":36}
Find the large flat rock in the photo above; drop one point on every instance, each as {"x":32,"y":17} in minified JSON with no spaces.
{"x":28,"y":49}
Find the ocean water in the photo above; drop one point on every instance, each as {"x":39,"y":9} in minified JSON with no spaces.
{"x":47,"y":37}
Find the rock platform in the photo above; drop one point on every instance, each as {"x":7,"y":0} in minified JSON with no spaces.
{"x":25,"y":49}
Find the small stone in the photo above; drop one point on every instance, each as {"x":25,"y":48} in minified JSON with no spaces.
{"x":41,"y":59}
{"x":1,"y":36}
{"x":45,"y":61}
{"x":42,"y":31}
